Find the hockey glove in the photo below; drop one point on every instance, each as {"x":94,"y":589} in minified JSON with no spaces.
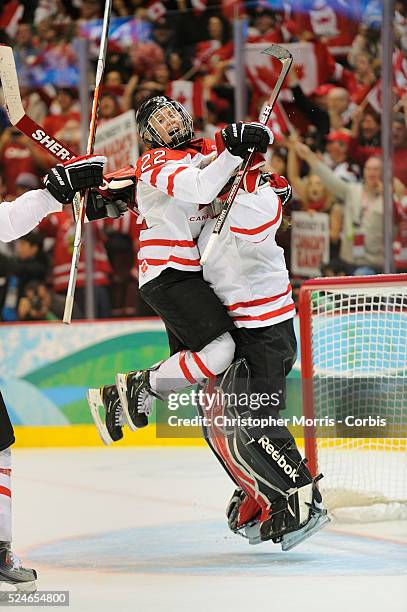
{"x":64,"y":180}
{"x":98,"y":207}
{"x":120,"y":185}
{"x":240,"y":137}
{"x":280,"y":186}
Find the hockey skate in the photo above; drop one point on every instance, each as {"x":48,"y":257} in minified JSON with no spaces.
{"x":242,"y":511}
{"x":106,"y":401}
{"x":13,"y":574}
{"x":136,"y":397}
{"x":292,"y":520}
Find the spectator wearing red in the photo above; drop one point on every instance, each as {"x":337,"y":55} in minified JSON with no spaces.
{"x":65,"y":109}
{"x":19,"y":155}
{"x":328,"y":110}
{"x":361,"y":79}
{"x":109,"y":107}
{"x":217,"y":49}
{"x":265,"y":28}
{"x":122,"y":246}
{"x":337,"y":155}
{"x":314,"y":196}
{"x":61,"y":227}
{"x":144,"y":57}
{"x":400,"y":241}
{"x":366,"y":135}
{"x":113,"y":82}
{"x":399,"y":131}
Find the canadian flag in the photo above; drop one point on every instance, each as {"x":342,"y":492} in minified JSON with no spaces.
{"x":263,"y":70}
{"x":336,"y":21}
{"x":155,"y":10}
{"x":313,"y":64}
{"x":10,"y":16}
{"x":189,"y":94}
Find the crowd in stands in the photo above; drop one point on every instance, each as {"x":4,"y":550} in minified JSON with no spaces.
{"x":327,"y":125}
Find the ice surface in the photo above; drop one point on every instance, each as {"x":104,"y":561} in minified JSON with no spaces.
{"x":144,"y":530}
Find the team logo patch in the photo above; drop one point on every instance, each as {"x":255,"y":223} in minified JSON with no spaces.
{"x":144,"y":267}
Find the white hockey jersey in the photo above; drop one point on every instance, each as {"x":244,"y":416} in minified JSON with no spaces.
{"x":246,"y":268}
{"x":19,"y":217}
{"x":173,"y":190}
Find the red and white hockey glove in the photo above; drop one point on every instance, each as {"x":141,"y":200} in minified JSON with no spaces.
{"x":77,"y":174}
{"x":113,"y":198}
{"x":280,"y":186}
{"x":120,"y":185}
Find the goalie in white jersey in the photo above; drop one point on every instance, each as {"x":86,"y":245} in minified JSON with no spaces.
{"x":276,"y":497}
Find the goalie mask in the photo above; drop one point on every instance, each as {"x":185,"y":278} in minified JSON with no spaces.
{"x":162,"y":122}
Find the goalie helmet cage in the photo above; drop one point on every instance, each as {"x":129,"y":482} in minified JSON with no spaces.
{"x":354,"y":364}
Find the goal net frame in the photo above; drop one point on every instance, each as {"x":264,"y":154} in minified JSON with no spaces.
{"x":358,"y":285}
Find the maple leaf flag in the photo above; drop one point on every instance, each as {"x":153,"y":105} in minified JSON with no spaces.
{"x":189,"y":94}
{"x":155,"y":10}
{"x":10,"y":16}
{"x":263,"y":70}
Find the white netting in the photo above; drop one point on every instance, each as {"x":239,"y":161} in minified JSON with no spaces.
{"x":359,"y":352}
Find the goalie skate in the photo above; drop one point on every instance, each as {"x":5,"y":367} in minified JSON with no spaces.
{"x":106,"y":401}
{"x":12,"y":573}
{"x":318,"y":520}
{"x":292,"y":520}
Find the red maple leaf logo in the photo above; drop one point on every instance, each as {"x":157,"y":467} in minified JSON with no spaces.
{"x":181,"y":98}
{"x":144,"y":266}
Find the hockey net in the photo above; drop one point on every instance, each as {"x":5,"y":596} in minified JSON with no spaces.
{"x":354,"y":367}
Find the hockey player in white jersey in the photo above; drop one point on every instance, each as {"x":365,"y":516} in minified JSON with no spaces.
{"x":276,"y":499}
{"x":17,"y":218}
{"x":177,"y":178}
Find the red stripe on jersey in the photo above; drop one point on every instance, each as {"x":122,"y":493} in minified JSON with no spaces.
{"x":154,"y":175}
{"x":184,"y":368}
{"x":180,"y":260}
{"x":259,"y":301}
{"x":171,"y":178}
{"x":5,"y":491}
{"x":201,"y":365}
{"x":265,"y":316}
{"x":165,"y":242}
{"x":260,"y":228}
{"x":6,"y":471}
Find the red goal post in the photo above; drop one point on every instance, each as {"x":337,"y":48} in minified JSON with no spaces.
{"x":305,"y":313}
{"x":354,"y":332}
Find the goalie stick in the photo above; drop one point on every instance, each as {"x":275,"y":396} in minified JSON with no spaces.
{"x":286,"y":59}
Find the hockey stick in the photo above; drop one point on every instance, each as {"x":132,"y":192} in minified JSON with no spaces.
{"x":16,"y":112}
{"x":286,"y":59}
{"x":19,"y":119}
{"x":89,"y":149}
